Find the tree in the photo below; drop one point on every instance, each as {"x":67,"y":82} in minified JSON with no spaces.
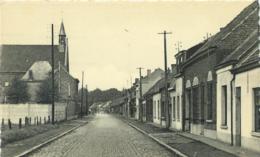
{"x":98,"y":95}
{"x":17,"y":93}
{"x":44,"y":93}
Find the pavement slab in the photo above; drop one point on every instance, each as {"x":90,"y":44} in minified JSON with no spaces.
{"x":187,"y":146}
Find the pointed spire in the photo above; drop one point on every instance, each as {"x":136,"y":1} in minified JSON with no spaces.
{"x":62,"y":29}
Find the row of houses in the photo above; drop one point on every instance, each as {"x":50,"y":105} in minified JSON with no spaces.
{"x":32,"y":65}
{"x":214,"y":87}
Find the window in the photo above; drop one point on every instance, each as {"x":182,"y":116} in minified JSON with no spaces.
{"x":154,"y":109}
{"x":178,"y":108}
{"x":257,"y":109}
{"x":173,"y":109}
{"x":224,"y":105}
{"x":6,"y":84}
{"x":209,"y":98}
{"x":159,"y":111}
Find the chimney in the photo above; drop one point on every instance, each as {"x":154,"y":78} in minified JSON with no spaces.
{"x":149,"y":72}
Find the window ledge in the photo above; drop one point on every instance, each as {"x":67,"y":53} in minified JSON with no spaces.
{"x":209,"y":121}
{"x":223,"y":127}
{"x":256,"y":134}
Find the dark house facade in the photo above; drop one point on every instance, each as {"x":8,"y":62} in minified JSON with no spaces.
{"x":199,"y":73}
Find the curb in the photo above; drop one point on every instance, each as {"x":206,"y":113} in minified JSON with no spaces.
{"x":177,"y":152}
{"x":33,"y":149}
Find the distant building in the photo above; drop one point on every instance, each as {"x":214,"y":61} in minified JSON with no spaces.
{"x":32,"y":64}
{"x":147,"y":82}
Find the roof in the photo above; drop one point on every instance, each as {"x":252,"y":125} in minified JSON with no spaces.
{"x":118,"y":101}
{"x":234,"y":33}
{"x":242,"y":50}
{"x":160,"y":84}
{"x":249,"y":61}
{"x":19,"y":58}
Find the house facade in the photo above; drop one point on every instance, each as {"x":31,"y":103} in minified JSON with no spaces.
{"x":147,"y":82}
{"x":201,"y":81}
{"x":238,"y":94}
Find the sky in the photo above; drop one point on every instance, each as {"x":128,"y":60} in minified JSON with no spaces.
{"x":108,"y":40}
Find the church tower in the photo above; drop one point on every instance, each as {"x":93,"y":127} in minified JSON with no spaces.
{"x":62,"y":38}
{"x":63,"y":46}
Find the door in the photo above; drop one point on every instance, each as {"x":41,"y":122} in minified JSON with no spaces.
{"x":237,"y":140}
{"x":188,"y":110}
{"x":170,"y":112}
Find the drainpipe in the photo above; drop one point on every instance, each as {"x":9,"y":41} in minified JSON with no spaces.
{"x":231,"y":91}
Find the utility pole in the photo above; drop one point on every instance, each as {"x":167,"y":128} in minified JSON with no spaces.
{"x":52,"y":74}
{"x":86,"y":99}
{"x":166,"y":106}
{"x":82,"y":94}
{"x":141,"y":95}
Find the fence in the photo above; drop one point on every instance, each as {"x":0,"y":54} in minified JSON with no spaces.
{"x":15,"y":112}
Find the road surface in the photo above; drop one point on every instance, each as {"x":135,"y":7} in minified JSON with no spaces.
{"x":104,"y":136}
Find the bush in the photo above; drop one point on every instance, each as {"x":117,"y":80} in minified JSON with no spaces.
{"x":44,"y":93}
{"x":17,"y":93}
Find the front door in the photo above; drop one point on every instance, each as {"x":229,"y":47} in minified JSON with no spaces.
{"x":188,"y":110}
{"x":170,"y":113}
{"x":237,"y":140}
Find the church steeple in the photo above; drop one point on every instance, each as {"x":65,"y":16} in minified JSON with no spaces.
{"x":62,"y":29}
{"x":62,"y":38}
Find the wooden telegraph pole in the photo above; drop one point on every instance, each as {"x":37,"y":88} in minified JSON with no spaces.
{"x":86,"y":99}
{"x":52,"y":74}
{"x":82,"y":94}
{"x":141,"y":95}
{"x":166,"y":106}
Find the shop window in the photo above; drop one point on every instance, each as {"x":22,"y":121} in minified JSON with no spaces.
{"x":257,"y":109}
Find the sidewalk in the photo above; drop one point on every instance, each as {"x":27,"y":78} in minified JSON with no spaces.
{"x":16,"y":148}
{"x":188,"y":144}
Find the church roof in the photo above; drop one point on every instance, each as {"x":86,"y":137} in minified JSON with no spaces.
{"x":19,"y":58}
{"x":62,"y":29}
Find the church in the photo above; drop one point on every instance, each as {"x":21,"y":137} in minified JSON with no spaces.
{"x":32,"y":64}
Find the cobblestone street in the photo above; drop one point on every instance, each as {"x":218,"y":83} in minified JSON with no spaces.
{"x":104,"y":136}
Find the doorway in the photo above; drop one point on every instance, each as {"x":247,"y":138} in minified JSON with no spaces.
{"x":237,"y":140}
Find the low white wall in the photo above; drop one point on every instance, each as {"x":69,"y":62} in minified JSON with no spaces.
{"x":16,"y":111}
